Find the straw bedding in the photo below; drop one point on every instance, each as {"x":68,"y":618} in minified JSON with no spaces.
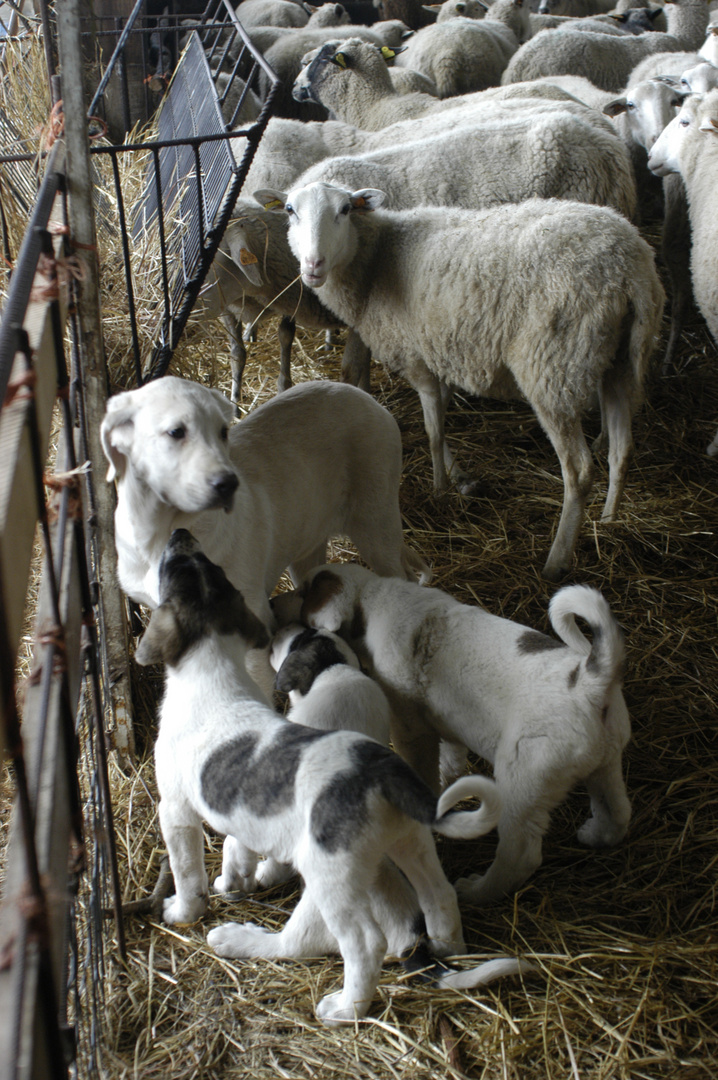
{"x":624,"y":940}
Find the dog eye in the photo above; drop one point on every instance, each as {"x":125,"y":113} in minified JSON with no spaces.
{"x":177,"y":432}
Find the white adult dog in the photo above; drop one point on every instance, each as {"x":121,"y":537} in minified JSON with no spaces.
{"x":333,"y":804}
{"x":319,"y":460}
{"x":546,"y":713}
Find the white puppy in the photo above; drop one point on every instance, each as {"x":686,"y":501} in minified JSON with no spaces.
{"x":326,"y":688}
{"x":319,"y":460}
{"x":546,"y":713}
{"x":334,"y":804}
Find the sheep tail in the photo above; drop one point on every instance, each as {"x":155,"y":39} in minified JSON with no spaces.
{"x":414,"y":566}
{"x":467,"y":824}
{"x":605,"y":655}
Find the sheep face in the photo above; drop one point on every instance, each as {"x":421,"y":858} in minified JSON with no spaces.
{"x":649,"y":106}
{"x":700,"y":79}
{"x":665,"y":155}
{"x":320,"y":231}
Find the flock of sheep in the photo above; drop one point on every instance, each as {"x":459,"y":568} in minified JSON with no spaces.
{"x":463,"y":184}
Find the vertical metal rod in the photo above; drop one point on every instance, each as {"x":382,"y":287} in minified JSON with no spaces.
{"x":128,"y":267}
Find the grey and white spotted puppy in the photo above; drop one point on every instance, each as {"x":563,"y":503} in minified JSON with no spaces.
{"x":334,"y":804}
{"x":326,"y":687}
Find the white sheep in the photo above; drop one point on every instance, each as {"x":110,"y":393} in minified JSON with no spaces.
{"x":458,"y":9}
{"x":548,"y":153}
{"x":550,"y":300}
{"x":607,"y":61}
{"x":701,"y":78}
{"x":329,"y":15}
{"x":462,"y":55}
{"x":272,"y":13}
{"x":286,"y":54}
{"x":633,"y":21}
{"x":352,"y":81}
{"x":675,"y":63}
{"x":576,"y":8}
{"x":255,"y":277}
{"x":406,"y":81}
{"x":689,"y":146}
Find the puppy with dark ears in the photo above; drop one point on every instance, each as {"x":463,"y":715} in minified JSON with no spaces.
{"x":326,"y":687}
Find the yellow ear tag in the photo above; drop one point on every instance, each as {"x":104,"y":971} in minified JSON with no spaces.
{"x":340,"y":60}
{"x":273,"y":204}
{"x":387,"y":53}
{"x":246,"y":258}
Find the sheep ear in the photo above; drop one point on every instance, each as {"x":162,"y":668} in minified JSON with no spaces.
{"x":708,"y":123}
{"x":367,"y":199}
{"x":242,"y":257}
{"x":270,"y":199}
{"x":619,"y":16}
{"x":161,"y":640}
{"x":389,"y":54}
{"x":653,"y":13}
{"x":117,"y":433}
{"x":339,"y":59}
{"x":613,"y":108}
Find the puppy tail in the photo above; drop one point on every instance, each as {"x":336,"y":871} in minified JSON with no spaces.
{"x":605,"y":656}
{"x":420,"y":961}
{"x":415,"y":568}
{"x":467,"y":824}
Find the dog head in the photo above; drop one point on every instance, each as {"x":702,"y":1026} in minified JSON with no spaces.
{"x":196,"y":599}
{"x":171,"y":435}
{"x":332,"y":600}
{"x":299,"y":655}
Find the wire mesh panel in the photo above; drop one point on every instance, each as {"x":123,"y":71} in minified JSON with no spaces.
{"x":199,"y":154}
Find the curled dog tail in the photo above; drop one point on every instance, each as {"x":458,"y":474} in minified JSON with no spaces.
{"x":605,"y":656}
{"x":467,"y":824}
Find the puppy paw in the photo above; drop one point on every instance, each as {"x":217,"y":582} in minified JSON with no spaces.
{"x":597,"y":833}
{"x":232,"y":883}
{"x":175,"y":910}
{"x":334,"y":1009}
{"x":471,"y":890}
{"x":270,"y":872}
{"x":238,"y":940}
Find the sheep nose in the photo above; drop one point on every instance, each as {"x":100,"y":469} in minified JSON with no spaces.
{"x":225,"y":485}
{"x":312,"y":265}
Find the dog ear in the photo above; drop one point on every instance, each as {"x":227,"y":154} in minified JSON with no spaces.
{"x":228,"y":409}
{"x":251,"y":628}
{"x":294,"y":674}
{"x":117,"y":432}
{"x":321,"y":607}
{"x":160,"y":642}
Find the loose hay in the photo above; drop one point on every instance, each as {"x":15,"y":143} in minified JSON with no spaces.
{"x":624,"y":939}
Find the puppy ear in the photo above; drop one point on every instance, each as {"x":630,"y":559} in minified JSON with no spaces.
{"x":251,"y":628}
{"x":294,"y":674}
{"x":228,"y":411}
{"x":320,"y":607}
{"x":160,"y":642}
{"x":117,"y":433}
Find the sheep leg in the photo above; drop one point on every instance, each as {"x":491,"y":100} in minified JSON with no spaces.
{"x":577,"y":470}
{"x":356,"y":362}
{"x":616,"y":407}
{"x":676,"y":253}
{"x":237,"y":353}
{"x":432,"y":394}
{"x":285,"y":332}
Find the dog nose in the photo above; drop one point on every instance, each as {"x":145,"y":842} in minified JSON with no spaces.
{"x":225,"y":485}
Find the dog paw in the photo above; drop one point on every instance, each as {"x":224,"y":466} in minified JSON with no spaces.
{"x":233,"y":883}
{"x":175,"y":910}
{"x":469,"y":889}
{"x":596,"y":833}
{"x":270,"y":872}
{"x":335,"y":1009}
{"x":238,"y":940}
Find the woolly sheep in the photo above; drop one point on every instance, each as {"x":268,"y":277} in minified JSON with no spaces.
{"x":329,"y":15}
{"x":606,"y":60}
{"x":552,"y":300}
{"x":353,"y":82}
{"x":641,"y":115}
{"x":675,"y":63}
{"x":576,"y":8}
{"x":406,"y":81}
{"x":549,"y":154}
{"x":633,"y":21}
{"x":458,"y":9}
{"x":689,"y":146}
{"x":254,"y":277}
{"x":701,"y":78}
{"x":286,"y":54}
{"x":461,"y":55}
{"x":272,"y":13}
